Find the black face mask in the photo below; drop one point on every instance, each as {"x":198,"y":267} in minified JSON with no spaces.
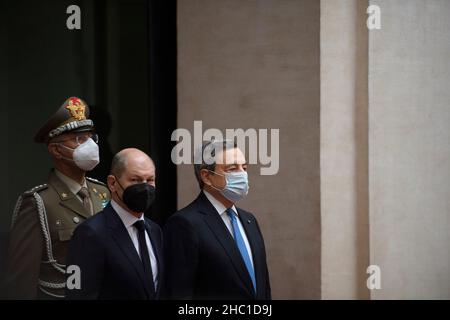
{"x":138,"y":197}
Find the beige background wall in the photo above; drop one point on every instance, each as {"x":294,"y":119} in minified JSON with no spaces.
{"x":409,"y":142}
{"x":255,"y":64}
{"x":364,"y":123}
{"x":344,"y":147}
{"x":385,"y":149}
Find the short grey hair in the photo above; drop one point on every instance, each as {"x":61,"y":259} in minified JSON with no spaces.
{"x":118,"y":164}
{"x":204,"y":156}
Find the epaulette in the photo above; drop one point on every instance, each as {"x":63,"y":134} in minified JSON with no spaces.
{"x":35,"y":189}
{"x":33,"y":192}
{"x":96,"y":181}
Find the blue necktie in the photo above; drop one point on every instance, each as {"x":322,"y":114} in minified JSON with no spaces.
{"x":241,"y":245}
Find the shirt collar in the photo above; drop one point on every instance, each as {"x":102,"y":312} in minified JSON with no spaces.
{"x":73,"y":186}
{"x":127,"y":218}
{"x":220,"y":208}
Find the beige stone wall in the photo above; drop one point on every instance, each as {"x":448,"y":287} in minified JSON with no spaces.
{"x":364,"y":123}
{"x":344,"y":148}
{"x":409,"y":140}
{"x":255,"y":64}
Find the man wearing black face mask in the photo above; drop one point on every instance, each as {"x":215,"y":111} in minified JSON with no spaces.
{"x":118,"y":251}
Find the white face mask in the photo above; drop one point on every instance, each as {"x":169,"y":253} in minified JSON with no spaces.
{"x":237,"y":185}
{"x":86,"y":155}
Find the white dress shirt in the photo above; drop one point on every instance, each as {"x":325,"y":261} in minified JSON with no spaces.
{"x":221,"y":210}
{"x":128,"y":220}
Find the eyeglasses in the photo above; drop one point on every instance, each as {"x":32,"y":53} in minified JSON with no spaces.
{"x":82,"y":138}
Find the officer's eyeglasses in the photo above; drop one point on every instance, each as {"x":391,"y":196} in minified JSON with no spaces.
{"x":80,"y":139}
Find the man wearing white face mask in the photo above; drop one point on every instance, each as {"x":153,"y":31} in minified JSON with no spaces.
{"x":214,"y":250}
{"x":46,"y":216}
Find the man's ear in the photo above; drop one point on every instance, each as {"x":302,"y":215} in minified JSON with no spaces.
{"x":204,"y":175}
{"x":54,"y":151}
{"x":111,"y":181}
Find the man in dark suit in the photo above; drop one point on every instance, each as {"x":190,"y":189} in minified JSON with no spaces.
{"x":118,"y":251}
{"x":214,"y":250}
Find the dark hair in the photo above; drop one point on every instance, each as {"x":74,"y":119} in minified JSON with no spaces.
{"x":204,"y":157}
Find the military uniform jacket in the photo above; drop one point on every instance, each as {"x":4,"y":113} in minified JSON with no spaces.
{"x":43,"y":222}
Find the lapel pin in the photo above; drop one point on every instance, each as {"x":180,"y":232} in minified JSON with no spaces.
{"x":58,"y":223}
{"x":64,"y":195}
{"x":76,"y":219}
{"x":249,"y":221}
{"x":95,"y":190}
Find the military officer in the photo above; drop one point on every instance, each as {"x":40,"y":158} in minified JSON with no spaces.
{"x":46,"y":216}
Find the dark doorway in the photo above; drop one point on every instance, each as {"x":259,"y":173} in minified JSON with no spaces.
{"x":122,"y":63}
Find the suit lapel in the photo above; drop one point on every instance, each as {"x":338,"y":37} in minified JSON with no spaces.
{"x":95,"y":197}
{"x":123,"y":240}
{"x":96,"y":204}
{"x":219,"y":229}
{"x":67,"y":198}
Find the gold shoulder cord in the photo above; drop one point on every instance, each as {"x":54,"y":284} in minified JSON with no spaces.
{"x":48,"y":241}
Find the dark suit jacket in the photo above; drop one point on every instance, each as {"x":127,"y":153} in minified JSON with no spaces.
{"x":203,"y":260}
{"x":110,"y":266}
